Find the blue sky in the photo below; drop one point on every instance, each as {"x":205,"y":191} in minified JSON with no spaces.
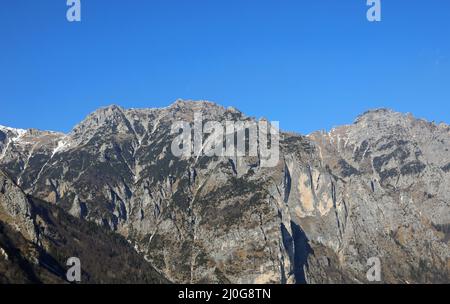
{"x":311,"y":64}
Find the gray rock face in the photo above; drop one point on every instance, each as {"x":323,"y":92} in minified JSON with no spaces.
{"x":376,"y":188}
{"x":389,"y":195}
{"x":14,"y":208}
{"x":37,"y":238}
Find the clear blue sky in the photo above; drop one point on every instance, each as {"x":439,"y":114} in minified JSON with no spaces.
{"x":311,"y":64}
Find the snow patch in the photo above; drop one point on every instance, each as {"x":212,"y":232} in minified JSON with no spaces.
{"x":62,"y":144}
{"x":17,"y":133}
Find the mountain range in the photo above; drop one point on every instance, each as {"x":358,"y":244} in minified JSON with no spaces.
{"x":111,"y":193}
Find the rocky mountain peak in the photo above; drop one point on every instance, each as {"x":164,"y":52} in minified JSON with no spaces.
{"x":387,"y":118}
{"x":107,"y":115}
{"x":382,"y":116}
{"x":195,"y":104}
{"x":185,"y":110}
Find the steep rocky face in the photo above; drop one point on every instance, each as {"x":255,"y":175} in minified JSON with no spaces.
{"x":36,"y":240}
{"x":15,"y":208}
{"x":372,"y":189}
{"x":388,"y":196}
